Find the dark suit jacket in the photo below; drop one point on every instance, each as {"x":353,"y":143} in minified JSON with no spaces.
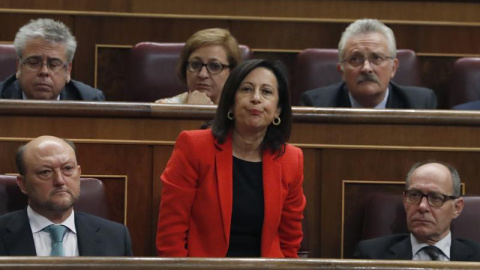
{"x":400,"y":97}
{"x":74,"y":90}
{"x":96,"y":236}
{"x":399,"y":247}
{"x":473,"y":105}
{"x":197,"y":199}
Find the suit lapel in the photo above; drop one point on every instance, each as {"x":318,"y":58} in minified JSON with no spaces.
{"x":224,"y":171}
{"x":65,"y":95}
{"x":272,"y":184}
{"x":89,"y":237}
{"x":343,"y":100}
{"x":459,"y":251}
{"x":19,"y":238}
{"x":395,"y":98}
{"x":13,"y":91}
{"x":402,"y":250}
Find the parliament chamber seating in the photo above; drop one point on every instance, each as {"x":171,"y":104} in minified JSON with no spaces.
{"x":345,"y":152}
{"x":464,"y":85}
{"x":385,"y":215}
{"x":318,"y":68}
{"x":92,"y":198}
{"x":8,"y":60}
{"x":152,"y":71}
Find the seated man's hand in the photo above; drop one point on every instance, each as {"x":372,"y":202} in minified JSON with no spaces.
{"x":199,"y":98}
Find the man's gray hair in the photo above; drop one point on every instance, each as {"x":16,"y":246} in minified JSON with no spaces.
{"x":453,"y":173}
{"x":49,"y":30}
{"x":367,"y":26}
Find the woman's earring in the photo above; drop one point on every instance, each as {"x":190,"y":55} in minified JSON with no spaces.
{"x":230,"y":115}
{"x":277,"y":121}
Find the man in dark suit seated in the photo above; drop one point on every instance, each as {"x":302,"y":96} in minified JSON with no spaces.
{"x":50,"y":177}
{"x":431,"y":200}
{"x":367,"y":63}
{"x":45,"y":50}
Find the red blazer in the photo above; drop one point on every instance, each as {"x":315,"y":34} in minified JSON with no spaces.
{"x":197,"y":197}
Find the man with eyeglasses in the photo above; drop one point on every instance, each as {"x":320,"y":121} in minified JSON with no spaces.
{"x":45,"y":50}
{"x":431,"y":200}
{"x":367,"y":63}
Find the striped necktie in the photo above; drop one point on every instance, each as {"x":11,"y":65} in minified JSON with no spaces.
{"x":432,"y":251}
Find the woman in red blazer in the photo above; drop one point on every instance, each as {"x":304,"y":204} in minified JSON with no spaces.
{"x":236,"y":190}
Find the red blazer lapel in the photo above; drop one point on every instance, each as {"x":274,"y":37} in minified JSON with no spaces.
{"x":272,"y":192}
{"x":224,"y":169}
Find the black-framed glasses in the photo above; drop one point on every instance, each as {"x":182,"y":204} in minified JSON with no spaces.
{"x":434,"y":199}
{"x":359,"y":60}
{"x":35,"y":63}
{"x":212,"y":67}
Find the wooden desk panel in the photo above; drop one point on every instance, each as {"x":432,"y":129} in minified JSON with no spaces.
{"x":136,"y":140}
{"x":114,"y":263}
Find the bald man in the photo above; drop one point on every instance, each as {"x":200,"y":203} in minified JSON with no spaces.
{"x":431,"y":200}
{"x":50,"y":177}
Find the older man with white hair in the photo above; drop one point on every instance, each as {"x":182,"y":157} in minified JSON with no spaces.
{"x":367,"y":63}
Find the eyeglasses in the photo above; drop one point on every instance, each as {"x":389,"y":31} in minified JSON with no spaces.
{"x":359,"y":60}
{"x":212,"y":67}
{"x":434,"y":199}
{"x":35,"y":63}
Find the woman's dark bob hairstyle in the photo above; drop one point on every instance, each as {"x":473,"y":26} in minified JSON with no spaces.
{"x":276,"y":136}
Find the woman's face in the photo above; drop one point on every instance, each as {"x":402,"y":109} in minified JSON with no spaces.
{"x":256,"y":101}
{"x":203,"y":80}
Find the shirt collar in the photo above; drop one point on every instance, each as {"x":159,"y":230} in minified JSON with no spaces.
{"x":381,"y":105}
{"x":39,"y":222}
{"x":25,"y":97}
{"x":444,"y":244}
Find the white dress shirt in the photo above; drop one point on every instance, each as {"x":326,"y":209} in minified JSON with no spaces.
{"x":381,"y":105}
{"x":25,"y":97}
{"x":42,"y":240}
{"x":444,"y":245}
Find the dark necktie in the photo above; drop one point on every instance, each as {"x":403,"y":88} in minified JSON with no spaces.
{"x":56,"y":234}
{"x":433,"y":252}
